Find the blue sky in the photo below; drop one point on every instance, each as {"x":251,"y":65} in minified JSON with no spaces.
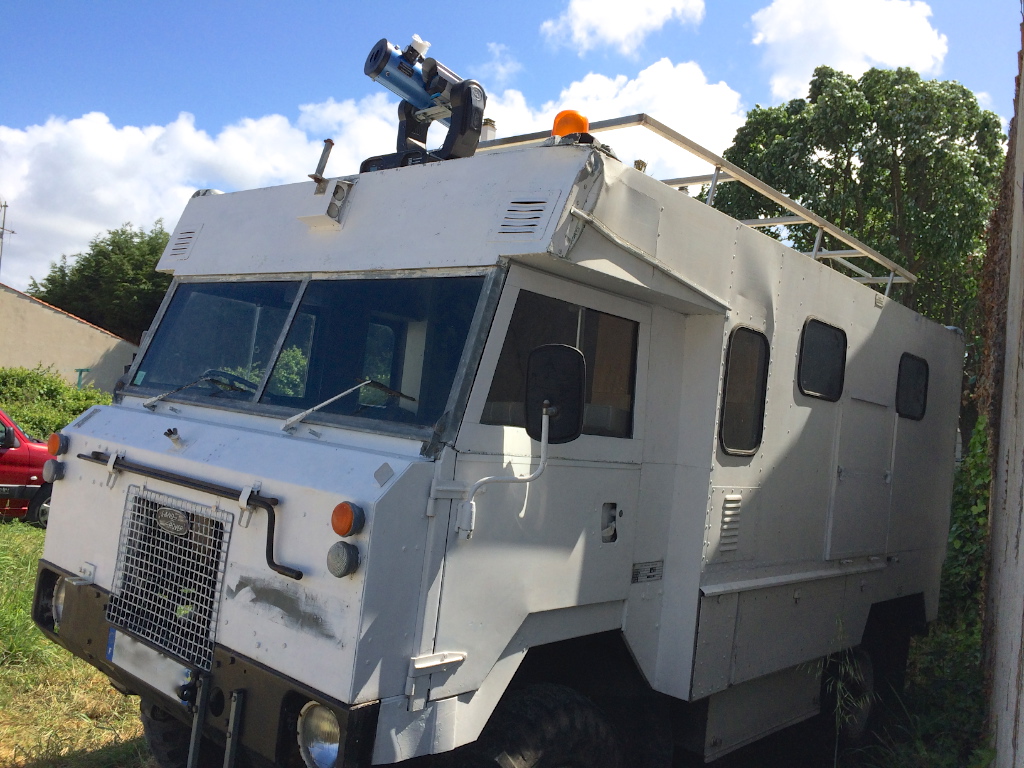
{"x":117,"y":111}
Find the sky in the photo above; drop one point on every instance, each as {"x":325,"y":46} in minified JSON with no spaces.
{"x":116,"y":111}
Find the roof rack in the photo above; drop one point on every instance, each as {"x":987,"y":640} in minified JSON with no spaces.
{"x":724,"y":171}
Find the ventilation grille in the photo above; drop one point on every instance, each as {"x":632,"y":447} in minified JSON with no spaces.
{"x":167,"y":585}
{"x":730,"y":538}
{"x":181,"y":246}
{"x":524,"y":218}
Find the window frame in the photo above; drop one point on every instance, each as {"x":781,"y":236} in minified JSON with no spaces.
{"x":899,"y":379}
{"x":763,"y":377}
{"x":580,"y":311}
{"x":800,"y":361}
{"x":475,"y":437}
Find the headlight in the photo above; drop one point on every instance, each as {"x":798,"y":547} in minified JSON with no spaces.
{"x":319,"y":736}
{"x":58,"y":600}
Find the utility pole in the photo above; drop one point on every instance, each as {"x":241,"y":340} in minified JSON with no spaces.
{"x":4,"y":230}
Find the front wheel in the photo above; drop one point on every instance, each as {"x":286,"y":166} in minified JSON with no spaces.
{"x":39,"y":508}
{"x":168,"y":740}
{"x":544,"y":726}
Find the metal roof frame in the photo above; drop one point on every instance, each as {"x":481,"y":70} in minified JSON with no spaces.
{"x":726,"y":172}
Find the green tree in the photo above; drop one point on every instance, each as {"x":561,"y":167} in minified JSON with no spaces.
{"x":114,"y":284}
{"x":41,"y":402}
{"x":908,"y":166}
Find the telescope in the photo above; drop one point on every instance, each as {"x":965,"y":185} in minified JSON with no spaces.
{"x":429,"y":92}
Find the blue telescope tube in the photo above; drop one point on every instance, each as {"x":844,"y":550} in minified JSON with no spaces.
{"x":387,"y":66}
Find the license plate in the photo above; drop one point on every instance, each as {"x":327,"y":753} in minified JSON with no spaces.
{"x":150,"y":666}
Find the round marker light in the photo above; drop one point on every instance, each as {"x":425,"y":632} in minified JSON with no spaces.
{"x":57,"y":444}
{"x":569,"y":121}
{"x":342,"y":559}
{"x":53,"y":470}
{"x":348,"y":519}
{"x":319,"y":736}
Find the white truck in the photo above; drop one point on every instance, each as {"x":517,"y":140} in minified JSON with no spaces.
{"x":514,"y":457}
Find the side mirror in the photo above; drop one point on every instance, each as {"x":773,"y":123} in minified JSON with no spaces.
{"x":6,"y":437}
{"x":556,"y":374}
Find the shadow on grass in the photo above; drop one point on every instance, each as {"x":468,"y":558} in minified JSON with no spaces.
{"x":124,"y":754}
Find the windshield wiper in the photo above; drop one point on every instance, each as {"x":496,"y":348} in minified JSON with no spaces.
{"x":228,"y":382}
{"x":290,"y":423}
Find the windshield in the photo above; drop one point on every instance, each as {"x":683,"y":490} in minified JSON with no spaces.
{"x":248,"y":342}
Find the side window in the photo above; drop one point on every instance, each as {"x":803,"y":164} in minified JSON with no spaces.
{"x":608,"y":344}
{"x":822,"y":365}
{"x":743,"y":397}
{"x":912,"y":387}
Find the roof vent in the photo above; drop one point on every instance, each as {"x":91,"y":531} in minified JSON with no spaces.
{"x":181,"y":246}
{"x":525,"y":218}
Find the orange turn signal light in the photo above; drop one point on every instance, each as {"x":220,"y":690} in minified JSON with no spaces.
{"x":56,"y":444}
{"x":569,"y":121}
{"x":347,"y":519}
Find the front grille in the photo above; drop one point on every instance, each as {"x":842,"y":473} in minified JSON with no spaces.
{"x":167,"y":586}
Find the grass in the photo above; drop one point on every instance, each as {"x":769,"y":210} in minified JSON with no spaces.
{"x":55,"y":710}
{"x":939,"y":722}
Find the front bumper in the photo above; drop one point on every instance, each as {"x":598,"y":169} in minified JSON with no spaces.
{"x":272,"y":701}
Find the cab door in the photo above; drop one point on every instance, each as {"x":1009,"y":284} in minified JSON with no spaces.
{"x":19,"y":469}
{"x":565,"y":539}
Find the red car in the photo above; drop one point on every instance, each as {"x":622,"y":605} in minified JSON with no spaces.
{"x":23,"y":493}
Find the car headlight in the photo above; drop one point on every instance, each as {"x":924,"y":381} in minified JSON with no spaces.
{"x":58,"y":599}
{"x":319,"y":736}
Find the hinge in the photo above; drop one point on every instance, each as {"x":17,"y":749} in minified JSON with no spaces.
{"x":445,"y":489}
{"x":424,"y":666}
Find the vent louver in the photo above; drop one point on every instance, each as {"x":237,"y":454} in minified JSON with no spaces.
{"x":730,"y":537}
{"x":181,"y":246}
{"x":525,"y":218}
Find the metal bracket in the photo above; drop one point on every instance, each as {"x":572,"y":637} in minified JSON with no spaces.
{"x":245,"y":508}
{"x":198,"y":720}
{"x":234,"y":728}
{"x":112,"y":469}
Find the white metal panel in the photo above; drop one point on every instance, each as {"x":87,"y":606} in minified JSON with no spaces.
{"x":433,"y":215}
{"x":536,"y":547}
{"x":291,"y":626}
{"x":745,"y":713}
{"x":859,"y":518}
{"x":781,"y":626}
{"x":713,"y":659}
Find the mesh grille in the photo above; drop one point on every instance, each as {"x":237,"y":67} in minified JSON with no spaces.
{"x":167,"y":587}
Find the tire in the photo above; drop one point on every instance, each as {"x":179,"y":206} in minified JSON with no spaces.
{"x":850,"y":695}
{"x":543,"y":726}
{"x":168,"y":740}
{"x":39,"y":508}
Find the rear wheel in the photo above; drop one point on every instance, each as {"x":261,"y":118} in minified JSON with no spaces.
{"x":168,"y":740}
{"x":39,"y":508}
{"x":850,"y":694}
{"x":543,"y":726}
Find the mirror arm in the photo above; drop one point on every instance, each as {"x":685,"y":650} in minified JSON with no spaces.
{"x":467,"y":509}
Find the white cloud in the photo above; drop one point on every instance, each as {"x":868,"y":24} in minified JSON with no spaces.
{"x":849,"y":35}
{"x":499,"y":71}
{"x":586,"y":24}
{"x":68,"y":180}
{"x":678,"y":95}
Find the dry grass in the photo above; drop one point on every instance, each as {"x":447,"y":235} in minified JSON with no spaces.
{"x":55,"y":710}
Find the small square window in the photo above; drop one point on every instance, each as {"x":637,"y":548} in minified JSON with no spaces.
{"x":912,"y":387}
{"x":744,"y":393}
{"x":822,"y":366}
